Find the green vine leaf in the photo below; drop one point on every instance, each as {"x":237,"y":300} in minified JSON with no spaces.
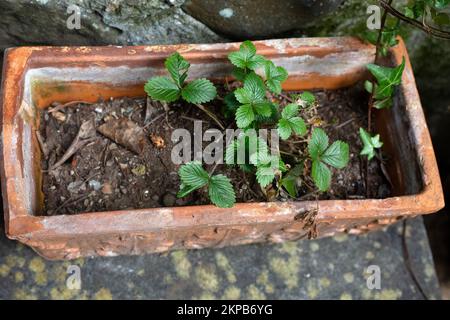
{"x":370,"y":143}
{"x":387,"y":79}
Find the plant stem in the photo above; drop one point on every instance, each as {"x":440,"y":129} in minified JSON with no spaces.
{"x":211,"y":115}
{"x":377,"y":53}
{"x":371,"y":99}
{"x":421,"y":25}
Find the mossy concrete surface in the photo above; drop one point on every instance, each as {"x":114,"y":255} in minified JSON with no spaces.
{"x":331,"y":268}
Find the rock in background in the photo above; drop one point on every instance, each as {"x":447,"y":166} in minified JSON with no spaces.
{"x":32,"y":22}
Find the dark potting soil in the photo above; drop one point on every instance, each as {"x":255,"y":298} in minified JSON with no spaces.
{"x":127,"y":164}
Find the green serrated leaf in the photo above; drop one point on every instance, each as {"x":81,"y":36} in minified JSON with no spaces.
{"x":193,"y":175}
{"x":336,"y":155}
{"x":298,"y":125}
{"x":318,"y":143}
{"x":274,"y":76}
{"x":289,"y":111}
{"x":253,"y":90}
{"x":441,"y":4}
{"x":308,"y":97}
{"x":220,"y":191}
{"x":256,"y":62}
{"x":265,"y":175}
{"x":244,"y":116}
{"x":231,"y":151}
{"x":199,"y":91}
{"x":177,"y":67}
{"x":246,"y":57}
{"x":369,"y":143}
{"x":255,"y":86}
{"x":263,"y":108}
{"x":162,"y":89}
{"x":284,"y":129}
{"x":321,"y":175}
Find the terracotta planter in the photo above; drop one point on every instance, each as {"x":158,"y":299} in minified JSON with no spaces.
{"x":33,"y":77}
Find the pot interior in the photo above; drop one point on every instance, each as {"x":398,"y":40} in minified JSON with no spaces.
{"x":122,"y":72}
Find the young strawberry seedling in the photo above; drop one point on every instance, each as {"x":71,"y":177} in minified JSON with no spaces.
{"x":254,"y":105}
{"x":171,"y":89}
{"x":220,"y":189}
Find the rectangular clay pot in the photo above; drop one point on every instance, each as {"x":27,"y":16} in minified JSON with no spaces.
{"x":33,"y":77}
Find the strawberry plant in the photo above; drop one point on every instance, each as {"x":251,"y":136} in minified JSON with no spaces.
{"x":253,"y":109}
{"x":170,"y":89}
{"x":253,"y":105}
{"x":323,"y":154}
{"x":193,"y":177}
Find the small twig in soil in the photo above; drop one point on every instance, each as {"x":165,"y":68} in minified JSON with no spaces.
{"x":192,"y":119}
{"x":288,"y":153}
{"x":344,"y":123}
{"x":85,"y":135}
{"x":167,"y":120}
{"x":299,"y":141}
{"x":68,"y":104}
{"x":286,"y":97}
{"x":42,"y":144}
{"x":149,"y":110}
{"x":211,"y":115}
{"x":154,"y":119}
{"x":249,"y":188}
{"x":71,"y":201}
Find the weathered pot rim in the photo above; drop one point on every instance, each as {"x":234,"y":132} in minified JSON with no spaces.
{"x":21,"y":225}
